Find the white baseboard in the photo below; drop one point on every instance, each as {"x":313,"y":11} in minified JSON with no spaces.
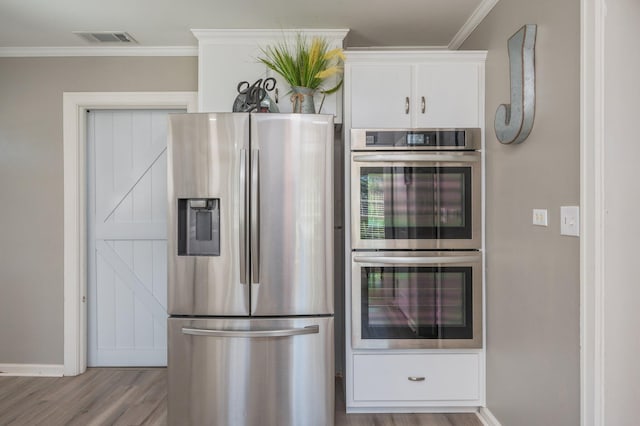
{"x":44,"y":370}
{"x":486,"y":417}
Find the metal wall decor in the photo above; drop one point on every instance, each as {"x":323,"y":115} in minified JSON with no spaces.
{"x":254,"y":97}
{"x":514,"y":121}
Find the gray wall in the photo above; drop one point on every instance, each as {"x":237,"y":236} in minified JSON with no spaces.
{"x":622,"y":204}
{"x":31,"y":185}
{"x":533,"y":303}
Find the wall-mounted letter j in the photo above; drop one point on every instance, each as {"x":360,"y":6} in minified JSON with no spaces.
{"x":514,"y":121}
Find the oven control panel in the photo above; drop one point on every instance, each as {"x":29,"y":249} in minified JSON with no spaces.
{"x":421,"y":139}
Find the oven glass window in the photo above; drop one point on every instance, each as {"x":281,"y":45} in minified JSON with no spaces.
{"x":416,"y":302}
{"x":415,"y":203}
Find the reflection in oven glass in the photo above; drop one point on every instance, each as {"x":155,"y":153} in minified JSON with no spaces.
{"x":416,"y":302}
{"x":414,"y":202}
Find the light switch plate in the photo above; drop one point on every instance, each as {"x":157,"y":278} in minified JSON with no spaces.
{"x":540,"y":217}
{"x":570,"y":221}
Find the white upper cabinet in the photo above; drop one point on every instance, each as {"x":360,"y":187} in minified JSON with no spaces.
{"x":227,"y":57}
{"x":414,"y":89}
{"x":447,"y":95}
{"x":380,"y":96}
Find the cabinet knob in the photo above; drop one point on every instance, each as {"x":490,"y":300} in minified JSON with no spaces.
{"x":423,"y":104}
{"x":406,"y":105}
{"x":416,"y":379}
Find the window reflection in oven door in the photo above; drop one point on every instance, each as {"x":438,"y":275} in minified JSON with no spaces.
{"x":416,"y":200}
{"x":417,"y":300}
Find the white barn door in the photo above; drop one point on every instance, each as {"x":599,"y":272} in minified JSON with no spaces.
{"x":127,"y":286}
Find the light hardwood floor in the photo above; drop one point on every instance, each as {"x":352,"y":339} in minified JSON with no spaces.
{"x":137,"y":396}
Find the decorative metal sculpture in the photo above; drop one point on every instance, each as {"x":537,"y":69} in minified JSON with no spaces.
{"x":254,"y":96}
{"x":514,"y":121}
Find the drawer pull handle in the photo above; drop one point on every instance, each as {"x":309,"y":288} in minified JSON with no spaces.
{"x":416,"y":379}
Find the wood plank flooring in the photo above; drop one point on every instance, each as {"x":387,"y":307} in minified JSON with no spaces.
{"x":137,"y":396}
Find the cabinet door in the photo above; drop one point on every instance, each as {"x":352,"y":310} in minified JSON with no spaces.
{"x":222,"y":68}
{"x":379,"y":93}
{"x":449,"y":92}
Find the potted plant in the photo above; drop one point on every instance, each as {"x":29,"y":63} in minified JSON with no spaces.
{"x":306,"y":66}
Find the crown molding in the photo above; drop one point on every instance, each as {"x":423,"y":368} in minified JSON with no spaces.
{"x":415,"y":55}
{"x":474,"y":20}
{"x":249,"y":36}
{"x":396,"y":48}
{"x":22,"y":52}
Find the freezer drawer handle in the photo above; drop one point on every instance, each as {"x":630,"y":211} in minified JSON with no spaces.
{"x":311,"y":329}
{"x":416,"y":379}
{"x":393,"y":260}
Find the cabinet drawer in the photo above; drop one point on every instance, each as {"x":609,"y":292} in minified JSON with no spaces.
{"x":447,"y":377}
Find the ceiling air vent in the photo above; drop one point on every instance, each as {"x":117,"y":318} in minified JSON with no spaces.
{"x":106,"y":36}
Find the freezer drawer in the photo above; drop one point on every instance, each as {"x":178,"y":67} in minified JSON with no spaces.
{"x":230,"y":372}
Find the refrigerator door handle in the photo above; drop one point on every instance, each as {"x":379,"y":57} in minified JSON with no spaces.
{"x":243,"y":217}
{"x":255,"y":217}
{"x":311,"y":329}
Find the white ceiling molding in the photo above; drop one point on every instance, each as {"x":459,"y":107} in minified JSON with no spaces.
{"x":409,"y":56}
{"x":249,"y":36}
{"x":474,"y":20}
{"x":22,"y":52}
{"x":396,"y":48}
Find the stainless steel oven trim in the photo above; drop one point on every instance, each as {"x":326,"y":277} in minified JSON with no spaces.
{"x":360,"y":259}
{"x":470,"y":159}
{"x":358,"y":140}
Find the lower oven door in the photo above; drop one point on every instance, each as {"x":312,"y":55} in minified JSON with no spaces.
{"x":416,"y":300}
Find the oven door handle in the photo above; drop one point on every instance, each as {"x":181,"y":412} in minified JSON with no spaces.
{"x":416,"y":158}
{"x":410,"y":260}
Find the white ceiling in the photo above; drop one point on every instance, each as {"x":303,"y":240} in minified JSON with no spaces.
{"x":153,"y":23}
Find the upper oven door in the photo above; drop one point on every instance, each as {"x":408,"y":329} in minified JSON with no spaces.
{"x":415,"y":200}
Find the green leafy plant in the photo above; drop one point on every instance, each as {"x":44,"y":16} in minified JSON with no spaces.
{"x":305,"y":64}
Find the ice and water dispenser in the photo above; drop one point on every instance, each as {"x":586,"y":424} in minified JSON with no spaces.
{"x":199,"y":227}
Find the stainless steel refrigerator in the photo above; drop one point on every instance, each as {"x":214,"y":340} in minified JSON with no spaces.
{"x":250,"y":269}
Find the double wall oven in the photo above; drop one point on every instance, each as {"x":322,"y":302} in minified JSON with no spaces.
{"x":416,"y":217}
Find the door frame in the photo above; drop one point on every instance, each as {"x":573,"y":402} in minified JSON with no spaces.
{"x":75,"y":107}
{"x":592,"y":211}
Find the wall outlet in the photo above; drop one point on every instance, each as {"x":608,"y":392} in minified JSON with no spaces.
{"x":540,"y":217}
{"x":570,"y":221}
